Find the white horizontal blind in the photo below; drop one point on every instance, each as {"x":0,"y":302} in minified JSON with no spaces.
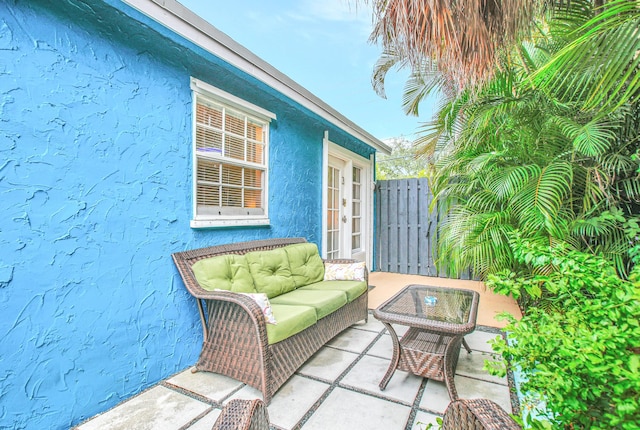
{"x":231,"y":170}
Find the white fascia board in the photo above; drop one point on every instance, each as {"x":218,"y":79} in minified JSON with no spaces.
{"x":192,"y":27}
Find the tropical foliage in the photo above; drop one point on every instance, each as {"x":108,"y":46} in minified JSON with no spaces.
{"x":538,"y":148}
{"x":401,"y":163}
{"x":537,"y":165}
{"x":584,"y":371}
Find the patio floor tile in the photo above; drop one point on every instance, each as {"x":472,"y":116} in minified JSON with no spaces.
{"x":400,"y":329}
{"x":328,"y":363}
{"x":436,"y":397}
{"x":292,"y":401}
{"x":207,"y":384}
{"x":371,"y":325}
{"x":478,"y":340}
{"x":423,"y":419}
{"x":156,"y":409}
{"x":353,"y":340}
{"x":472,"y":365}
{"x":347,"y":410}
{"x":368,"y":372}
{"x":383,"y":348}
{"x":206,"y":422}
{"x":469,"y":388}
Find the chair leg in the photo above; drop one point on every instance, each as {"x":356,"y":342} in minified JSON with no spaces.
{"x":466,"y":345}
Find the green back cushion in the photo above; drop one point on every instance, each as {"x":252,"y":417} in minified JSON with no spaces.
{"x":271,"y":272}
{"x":306,"y":265}
{"x":224,"y":272}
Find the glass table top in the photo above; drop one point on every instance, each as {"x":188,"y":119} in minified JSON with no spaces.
{"x":437,"y":304}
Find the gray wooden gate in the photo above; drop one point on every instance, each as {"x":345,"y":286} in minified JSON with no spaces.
{"x":406,"y":231}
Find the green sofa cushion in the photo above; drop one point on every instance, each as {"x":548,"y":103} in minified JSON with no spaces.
{"x":271,"y":272}
{"x":291,"y":320}
{"x":353,"y":289}
{"x":306,"y":265}
{"x":224,"y":272}
{"x":324,"y":302}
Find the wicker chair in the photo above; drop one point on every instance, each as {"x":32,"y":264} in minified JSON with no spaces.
{"x":477,"y":414}
{"x":461,"y":414}
{"x":243,"y":415}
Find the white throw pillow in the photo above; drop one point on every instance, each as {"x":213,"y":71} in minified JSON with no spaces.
{"x":344,"y":271}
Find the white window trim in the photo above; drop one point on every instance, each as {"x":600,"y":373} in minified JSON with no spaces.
{"x":203,"y":89}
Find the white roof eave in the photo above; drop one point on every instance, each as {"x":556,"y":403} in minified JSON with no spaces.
{"x":192,"y":27}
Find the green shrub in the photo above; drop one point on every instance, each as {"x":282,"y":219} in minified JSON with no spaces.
{"x":578,"y":349}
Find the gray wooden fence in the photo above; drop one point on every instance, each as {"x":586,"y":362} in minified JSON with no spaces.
{"x":406,"y":231}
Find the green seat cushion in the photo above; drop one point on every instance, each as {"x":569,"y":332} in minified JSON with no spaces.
{"x":225,"y":272}
{"x":271,"y":272}
{"x":324,"y":302}
{"x":353,"y":289}
{"x":291,"y":320}
{"x":306,"y":265}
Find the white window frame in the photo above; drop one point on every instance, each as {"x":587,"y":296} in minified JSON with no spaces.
{"x":203,"y":91}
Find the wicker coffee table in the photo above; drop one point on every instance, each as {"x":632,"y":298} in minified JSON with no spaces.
{"x":438,"y":318}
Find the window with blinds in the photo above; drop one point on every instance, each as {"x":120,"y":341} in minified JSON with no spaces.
{"x":230,"y":147}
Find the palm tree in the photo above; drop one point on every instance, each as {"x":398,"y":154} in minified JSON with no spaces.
{"x":463,"y":37}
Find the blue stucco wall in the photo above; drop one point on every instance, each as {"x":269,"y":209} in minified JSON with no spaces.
{"x":95,"y":192}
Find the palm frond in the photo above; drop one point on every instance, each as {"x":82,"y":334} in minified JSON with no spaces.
{"x":593,"y":138}
{"x":387,"y":61}
{"x":421,"y":83}
{"x":538,"y":203}
{"x":601,"y":66}
{"x":512,"y":179}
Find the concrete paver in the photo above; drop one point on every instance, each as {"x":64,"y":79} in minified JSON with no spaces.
{"x":156,"y":409}
{"x":328,"y":363}
{"x":353,"y":340}
{"x":291,"y":403}
{"x":367,"y":373}
{"x":349,"y":410}
{"x":211,"y":385}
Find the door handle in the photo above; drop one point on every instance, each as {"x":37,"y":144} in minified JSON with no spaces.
{"x":344,"y":219}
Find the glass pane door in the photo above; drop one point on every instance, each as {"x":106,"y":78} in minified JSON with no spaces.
{"x":356,"y":210}
{"x":334,"y":223}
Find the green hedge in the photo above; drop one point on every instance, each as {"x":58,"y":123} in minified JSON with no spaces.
{"x":578,"y":348}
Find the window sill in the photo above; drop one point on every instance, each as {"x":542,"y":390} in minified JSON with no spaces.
{"x":198,"y":224}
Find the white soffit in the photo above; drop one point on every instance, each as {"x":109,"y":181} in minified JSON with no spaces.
{"x":192,"y":27}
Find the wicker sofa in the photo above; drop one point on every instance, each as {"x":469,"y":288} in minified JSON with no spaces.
{"x":238,"y":342}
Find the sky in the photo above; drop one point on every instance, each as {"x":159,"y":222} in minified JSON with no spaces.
{"x":323,"y":46}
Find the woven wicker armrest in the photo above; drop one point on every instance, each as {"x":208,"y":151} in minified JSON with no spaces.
{"x":243,"y":415}
{"x":477,"y":414}
{"x":243,"y":311}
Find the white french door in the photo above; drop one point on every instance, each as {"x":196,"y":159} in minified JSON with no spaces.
{"x":336,"y":209}
{"x":348,"y":206}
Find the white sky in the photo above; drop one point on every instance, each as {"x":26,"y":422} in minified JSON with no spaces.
{"x":323,"y":46}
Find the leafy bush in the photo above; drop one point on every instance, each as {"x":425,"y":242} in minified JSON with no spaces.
{"x":579,"y":349}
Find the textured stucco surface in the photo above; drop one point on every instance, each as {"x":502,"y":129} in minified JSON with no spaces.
{"x":95,"y":192}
